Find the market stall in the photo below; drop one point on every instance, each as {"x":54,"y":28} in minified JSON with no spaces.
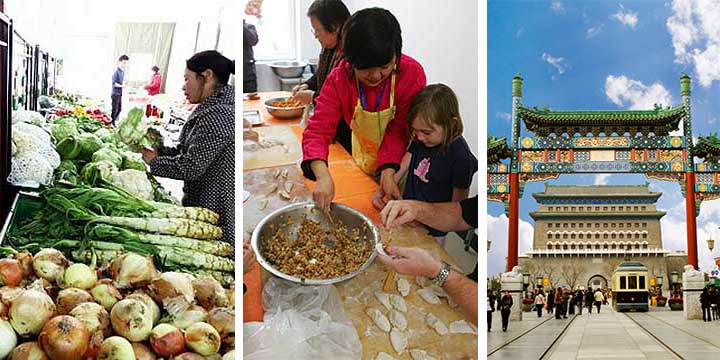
{"x":354,"y":189}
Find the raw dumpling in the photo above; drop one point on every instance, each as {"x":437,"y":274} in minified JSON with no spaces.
{"x":384,"y":356}
{"x":436,"y":324}
{"x":384,"y":299}
{"x":438,"y":291}
{"x":461,"y":327}
{"x":398,"y":302}
{"x":423,"y":281}
{"x":403,"y":287}
{"x":420,"y":355}
{"x":379,"y":319}
{"x":399,"y":340}
{"x":429,"y":296}
{"x":398,"y":320}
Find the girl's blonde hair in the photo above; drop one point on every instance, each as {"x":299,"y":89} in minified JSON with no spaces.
{"x":437,"y":104}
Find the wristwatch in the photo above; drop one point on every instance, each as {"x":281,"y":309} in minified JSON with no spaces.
{"x":440,"y":278}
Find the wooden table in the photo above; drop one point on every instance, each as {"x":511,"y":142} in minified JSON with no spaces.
{"x":354,"y":188}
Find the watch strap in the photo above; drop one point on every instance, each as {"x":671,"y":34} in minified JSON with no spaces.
{"x":444,"y":273}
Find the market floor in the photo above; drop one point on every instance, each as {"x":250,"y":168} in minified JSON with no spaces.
{"x":606,"y":335}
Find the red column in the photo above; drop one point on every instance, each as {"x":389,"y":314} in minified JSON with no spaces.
{"x":690,"y":219}
{"x":512,"y":258}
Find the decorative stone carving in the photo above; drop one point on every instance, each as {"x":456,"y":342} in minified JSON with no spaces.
{"x":693,"y":283}
{"x":513,"y":282}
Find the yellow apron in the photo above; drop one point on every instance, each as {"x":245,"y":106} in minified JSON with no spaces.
{"x":368,"y":129}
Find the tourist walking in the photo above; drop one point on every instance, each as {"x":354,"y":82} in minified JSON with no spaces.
{"x":558,"y":303}
{"x":550,"y":301}
{"x":490,"y":310}
{"x":599,"y":299}
{"x":571,"y":302}
{"x":565,"y":302}
{"x":506,"y":303}
{"x":539,"y":303}
{"x":579,"y":301}
{"x":715,"y":302}
{"x":589,"y":300}
{"x":705,"y":304}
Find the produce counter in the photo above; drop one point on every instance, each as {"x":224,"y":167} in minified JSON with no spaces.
{"x":352,"y":188}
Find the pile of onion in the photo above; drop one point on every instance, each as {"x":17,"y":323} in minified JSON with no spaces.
{"x":223,"y":320}
{"x":93,"y":316}
{"x":30,"y":311}
{"x":202,"y":338}
{"x":116,"y":348}
{"x":209,"y":293}
{"x":148,"y":301}
{"x":8,"y":339}
{"x":167,"y":340}
{"x":142,"y":352}
{"x":106,"y":294}
{"x":11,"y":272}
{"x":79,"y":276}
{"x":50,"y":264}
{"x":68,"y":298}
{"x":132,"y":270}
{"x":192,"y":315}
{"x":131,"y":319}
{"x":28,"y":351}
{"x":64,"y":338}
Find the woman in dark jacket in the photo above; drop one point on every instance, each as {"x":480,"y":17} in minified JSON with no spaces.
{"x":506,"y":303}
{"x":205,"y":157}
{"x":705,"y":304}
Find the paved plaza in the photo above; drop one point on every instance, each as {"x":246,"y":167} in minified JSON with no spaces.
{"x":659,"y":334}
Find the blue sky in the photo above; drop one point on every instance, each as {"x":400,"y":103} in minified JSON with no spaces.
{"x":604,"y":55}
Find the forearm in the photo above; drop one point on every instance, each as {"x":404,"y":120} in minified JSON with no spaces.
{"x":460,"y":194}
{"x":441,"y":216}
{"x":320,"y":169}
{"x":464,"y":292}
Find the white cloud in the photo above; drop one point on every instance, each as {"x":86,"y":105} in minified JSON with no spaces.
{"x":503,"y":115}
{"x":628,"y":17}
{"x":602,"y":179}
{"x":635,"y":95}
{"x":557,"y":7}
{"x":593,"y":31}
{"x":497,"y":233}
{"x":695,"y":30}
{"x":558,"y":62}
{"x":674,"y":229}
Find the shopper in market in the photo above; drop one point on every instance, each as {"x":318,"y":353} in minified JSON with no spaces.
{"x":205,"y":157}
{"x":250,"y":39}
{"x":118,"y":84}
{"x":450,"y":216}
{"x":371,"y":90}
{"x":327,"y":18}
{"x":153,"y":88}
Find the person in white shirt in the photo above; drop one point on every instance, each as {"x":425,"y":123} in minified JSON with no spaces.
{"x":599,"y":298}
{"x":539,"y":303}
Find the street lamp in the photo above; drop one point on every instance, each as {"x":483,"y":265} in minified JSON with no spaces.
{"x":674,"y":278}
{"x":711,"y":244}
{"x":660,"y":283}
{"x":489,"y":241}
{"x":539,"y":280}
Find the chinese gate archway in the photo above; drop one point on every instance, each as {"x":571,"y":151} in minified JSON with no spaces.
{"x":600,"y":141}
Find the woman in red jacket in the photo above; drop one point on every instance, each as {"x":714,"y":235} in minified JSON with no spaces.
{"x":153,"y":88}
{"x":371,"y":90}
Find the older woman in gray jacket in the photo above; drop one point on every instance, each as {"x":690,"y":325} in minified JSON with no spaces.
{"x":205,"y":157}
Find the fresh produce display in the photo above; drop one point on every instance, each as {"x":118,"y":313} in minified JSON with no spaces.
{"x":34,"y":156}
{"x":47,"y":320}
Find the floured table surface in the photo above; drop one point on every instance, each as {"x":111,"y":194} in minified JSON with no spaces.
{"x":358,"y":294}
{"x":278,"y":146}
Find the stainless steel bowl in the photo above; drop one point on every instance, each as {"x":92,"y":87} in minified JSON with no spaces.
{"x":352,"y":218}
{"x":288,"y":69}
{"x":281,"y":112}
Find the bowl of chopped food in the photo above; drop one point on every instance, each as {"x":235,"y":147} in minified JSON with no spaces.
{"x":284,"y":108}
{"x":300,"y":244}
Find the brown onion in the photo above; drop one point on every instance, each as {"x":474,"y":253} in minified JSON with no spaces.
{"x":50,"y":264}
{"x":132,"y":320}
{"x":189,"y":356}
{"x":167,"y":340}
{"x":30,"y":311}
{"x":209,"y":293}
{"x":106,"y":294}
{"x":202,"y":338}
{"x":132,"y":270}
{"x":171,"y":285}
{"x":94,"y":316}
{"x":142,"y":352}
{"x":8,"y":294}
{"x":4,"y":309}
{"x":223,"y":320}
{"x":68,"y":298}
{"x":79,"y":276}
{"x":190,"y":316}
{"x":116,"y":348}
{"x":11,"y":272}
{"x":26,"y":261}
{"x":28,"y":351}
{"x":94,"y":346}
{"x":148,"y":301}
{"x":64,"y":338}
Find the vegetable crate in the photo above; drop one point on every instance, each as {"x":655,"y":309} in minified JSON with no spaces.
{"x":23,"y":207}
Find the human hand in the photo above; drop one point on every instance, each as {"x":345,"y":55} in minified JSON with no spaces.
{"x":149,"y":155}
{"x":398,"y":212}
{"x":251,"y":135}
{"x":299,"y":87}
{"x":324,"y":193}
{"x":390,"y":189}
{"x":411,"y":261}
{"x":377,"y":199}
{"x":303,"y":96}
{"x":248,"y":256}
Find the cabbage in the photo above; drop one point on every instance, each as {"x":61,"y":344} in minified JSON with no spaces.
{"x":105,"y":135}
{"x":94,"y":172}
{"x":27,"y":116}
{"x":135,"y":182}
{"x":108,"y":154}
{"x":64,"y":130}
{"x":65,"y":120}
{"x":79,"y":147}
{"x":68,"y":172}
{"x":131,"y":160}
{"x":133,"y":130}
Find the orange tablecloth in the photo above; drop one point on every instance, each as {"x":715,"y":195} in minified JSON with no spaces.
{"x":352,"y":188}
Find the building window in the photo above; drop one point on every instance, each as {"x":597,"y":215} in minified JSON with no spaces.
{"x":644,"y":236}
{"x":572,"y":208}
{"x":565,"y":236}
{"x":637,"y":225}
{"x":549,"y":236}
{"x":565,"y":225}
{"x":580,"y":225}
{"x":605,"y":208}
{"x":550,"y":247}
{"x":597,"y":208}
{"x":613,"y":246}
{"x":549,"y":225}
{"x":565,"y":208}
{"x":644,"y":208}
{"x":645,"y":246}
{"x":580,"y":235}
{"x":644,"y":225}
{"x":597,"y":225}
{"x":637,"y":236}
{"x":629,"y":225}
{"x":572,"y":225}
{"x":580,"y":208}
{"x":597,"y":235}
{"x":605,"y":225}
{"x":550,"y":208}
{"x":612,"y":225}
{"x":605,"y":236}
{"x":621,"y":236}
{"x":621,"y":225}
{"x":565,"y":247}
{"x":613,"y":236}
{"x":612,"y":208}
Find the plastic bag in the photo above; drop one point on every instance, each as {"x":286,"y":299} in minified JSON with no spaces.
{"x":301,"y":322}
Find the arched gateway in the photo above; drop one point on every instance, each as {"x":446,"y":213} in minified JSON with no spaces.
{"x":629,"y":141}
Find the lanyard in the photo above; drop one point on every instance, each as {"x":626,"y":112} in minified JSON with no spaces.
{"x":377,"y":102}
